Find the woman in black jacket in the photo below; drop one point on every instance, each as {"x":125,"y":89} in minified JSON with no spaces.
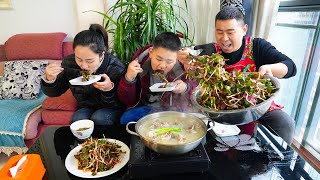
{"x":97,"y":101}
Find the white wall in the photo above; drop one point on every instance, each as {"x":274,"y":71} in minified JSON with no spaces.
{"x":87,"y":18}
{"x":34,"y":16}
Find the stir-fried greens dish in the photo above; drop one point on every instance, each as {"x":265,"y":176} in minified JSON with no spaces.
{"x":222,"y":90}
{"x":86,"y":75}
{"x":162,"y":77}
{"x":97,"y":155}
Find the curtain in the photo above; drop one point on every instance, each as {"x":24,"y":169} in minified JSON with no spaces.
{"x":263,"y":20}
{"x":203,"y":14}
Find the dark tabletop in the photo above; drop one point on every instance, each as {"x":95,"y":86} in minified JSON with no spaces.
{"x":56,"y":142}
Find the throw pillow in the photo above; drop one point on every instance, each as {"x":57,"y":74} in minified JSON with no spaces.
{"x":21,"y":79}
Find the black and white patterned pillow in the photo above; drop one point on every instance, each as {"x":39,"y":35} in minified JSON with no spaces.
{"x":21,"y":79}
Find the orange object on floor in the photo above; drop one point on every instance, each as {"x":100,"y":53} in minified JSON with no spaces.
{"x":31,"y":169}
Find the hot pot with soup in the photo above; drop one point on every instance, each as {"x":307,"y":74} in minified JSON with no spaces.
{"x":170,"y":132}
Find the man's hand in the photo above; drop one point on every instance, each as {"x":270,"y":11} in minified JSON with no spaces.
{"x":133,"y":69}
{"x":265,"y":70}
{"x":180,"y":87}
{"x":278,"y":70}
{"x":105,"y":85}
{"x":182,"y":57}
{"x":52,"y":70}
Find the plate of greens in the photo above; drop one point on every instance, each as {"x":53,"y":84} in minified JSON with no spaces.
{"x":79,"y":81}
{"x":110,"y":155}
{"x":162,"y":87}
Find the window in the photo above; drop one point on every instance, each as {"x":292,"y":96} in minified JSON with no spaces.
{"x":297,"y":34}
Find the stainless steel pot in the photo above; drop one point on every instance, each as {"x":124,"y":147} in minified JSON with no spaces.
{"x":165,"y":148}
{"x":237,"y":116}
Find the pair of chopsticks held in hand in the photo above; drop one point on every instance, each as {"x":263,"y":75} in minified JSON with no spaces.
{"x":191,"y":56}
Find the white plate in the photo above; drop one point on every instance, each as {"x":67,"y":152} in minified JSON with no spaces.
{"x":78,"y":80}
{"x":155,"y":88}
{"x":71,"y":162}
{"x":225,"y":130}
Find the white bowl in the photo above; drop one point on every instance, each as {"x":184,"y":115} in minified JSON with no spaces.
{"x":82,"y":129}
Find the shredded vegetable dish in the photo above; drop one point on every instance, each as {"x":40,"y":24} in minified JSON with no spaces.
{"x":85,"y":75}
{"x":162,"y":77}
{"x":222,"y":90}
{"x":97,"y":155}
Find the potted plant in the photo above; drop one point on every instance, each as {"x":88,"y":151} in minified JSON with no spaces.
{"x":137,"y":22}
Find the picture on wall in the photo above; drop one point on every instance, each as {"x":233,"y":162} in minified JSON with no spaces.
{"x":5,"y":4}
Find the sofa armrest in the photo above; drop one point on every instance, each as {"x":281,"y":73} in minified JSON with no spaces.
{"x":33,"y":123}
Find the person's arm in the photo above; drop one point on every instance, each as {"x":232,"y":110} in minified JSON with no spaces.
{"x":206,"y":49}
{"x":270,"y":61}
{"x":60,"y":84}
{"x":182,"y":56}
{"x":115,"y":71}
{"x":278,"y":70}
{"x":127,"y":90}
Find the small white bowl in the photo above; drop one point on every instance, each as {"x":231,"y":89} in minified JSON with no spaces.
{"x":82,"y":129}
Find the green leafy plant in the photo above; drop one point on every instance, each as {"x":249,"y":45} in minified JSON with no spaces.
{"x":137,"y":22}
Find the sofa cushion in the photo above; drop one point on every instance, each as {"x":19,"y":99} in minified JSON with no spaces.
{"x":21,"y":79}
{"x":65,"y":102}
{"x":56,"y":117}
{"x":35,"y":46}
{"x":67,"y":48}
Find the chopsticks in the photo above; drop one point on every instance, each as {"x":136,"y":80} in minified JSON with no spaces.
{"x":178,"y":76}
{"x":72,"y":69}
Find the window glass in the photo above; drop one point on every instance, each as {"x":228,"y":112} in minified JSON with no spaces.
{"x":313,"y":136}
{"x":295,"y":35}
{"x":285,"y":39}
{"x":300,"y":18}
